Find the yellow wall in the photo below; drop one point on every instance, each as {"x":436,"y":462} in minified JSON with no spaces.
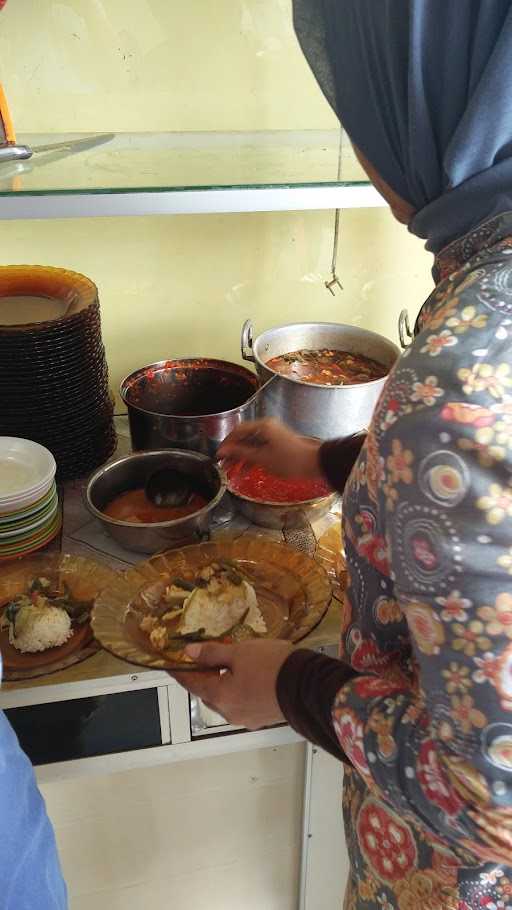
{"x":170,"y":286}
{"x":156,"y":65}
{"x":184,"y":285}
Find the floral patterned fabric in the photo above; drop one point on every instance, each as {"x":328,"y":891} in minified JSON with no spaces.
{"x":427,"y":723}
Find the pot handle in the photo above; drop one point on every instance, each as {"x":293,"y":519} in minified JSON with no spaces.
{"x":246,"y":341}
{"x":243,"y":407}
{"x":404,"y":329}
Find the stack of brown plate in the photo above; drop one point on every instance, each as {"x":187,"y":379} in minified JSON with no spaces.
{"x":53,"y":371}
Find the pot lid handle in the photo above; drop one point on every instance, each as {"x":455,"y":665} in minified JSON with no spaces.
{"x":246,"y":341}
{"x":404,"y":329}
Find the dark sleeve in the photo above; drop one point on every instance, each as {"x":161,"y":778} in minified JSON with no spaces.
{"x":307,"y":686}
{"x":337,"y":458}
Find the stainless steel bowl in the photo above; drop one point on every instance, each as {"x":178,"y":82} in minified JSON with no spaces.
{"x":131,"y":472}
{"x":280,"y":515}
{"x":283,"y":515}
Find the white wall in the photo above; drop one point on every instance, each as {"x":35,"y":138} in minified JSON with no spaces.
{"x":221,"y":833}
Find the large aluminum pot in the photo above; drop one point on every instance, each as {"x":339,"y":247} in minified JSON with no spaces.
{"x":191,"y":404}
{"x":313,"y":410}
{"x":133,"y":471}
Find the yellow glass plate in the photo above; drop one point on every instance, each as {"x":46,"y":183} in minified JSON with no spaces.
{"x":84,"y":578}
{"x":293,"y":593}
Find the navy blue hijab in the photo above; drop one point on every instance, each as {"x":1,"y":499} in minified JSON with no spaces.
{"x":424,"y":89}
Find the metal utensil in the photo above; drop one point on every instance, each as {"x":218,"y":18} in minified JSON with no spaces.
{"x":168,"y":488}
{"x":13,"y":151}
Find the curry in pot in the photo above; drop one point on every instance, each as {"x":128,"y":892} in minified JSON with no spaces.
{"x":327,"y":367}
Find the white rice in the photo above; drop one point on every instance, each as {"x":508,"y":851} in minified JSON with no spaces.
{"x":254,"y":618}
{"x":40,"y":628}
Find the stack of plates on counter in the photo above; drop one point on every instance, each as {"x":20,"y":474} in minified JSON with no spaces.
{"x":53,"y":372}
{"x":29,"y":504}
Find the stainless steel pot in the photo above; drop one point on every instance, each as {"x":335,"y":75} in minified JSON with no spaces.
{"x":190,"y":404}
{"x":312,"y":410}
{"x":133,"y":471}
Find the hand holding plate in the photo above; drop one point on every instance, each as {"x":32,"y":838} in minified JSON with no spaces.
{"x":245,"y":693}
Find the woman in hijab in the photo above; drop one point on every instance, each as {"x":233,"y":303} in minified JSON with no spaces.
{"x":419,"y":706}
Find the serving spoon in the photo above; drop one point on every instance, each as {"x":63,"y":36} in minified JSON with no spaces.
{"x":168,"y":488}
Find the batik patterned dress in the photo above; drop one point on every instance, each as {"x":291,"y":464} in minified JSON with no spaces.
{"x":427,"y":722}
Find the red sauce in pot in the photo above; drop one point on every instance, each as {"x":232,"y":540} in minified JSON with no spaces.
{"x":190,"y":388}
{"x":256,"y":483}
{"x":327,"y":367}
{"x":134,"y":506}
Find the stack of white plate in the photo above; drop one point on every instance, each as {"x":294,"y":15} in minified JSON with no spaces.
{"x":29,"y":504}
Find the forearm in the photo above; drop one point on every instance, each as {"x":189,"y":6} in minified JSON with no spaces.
{"x":337,"y":457}
{"x":307,"y":686}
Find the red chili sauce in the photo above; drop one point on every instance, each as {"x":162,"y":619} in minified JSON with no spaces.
{"x":327,"y":367}
{"x":256,"y":483}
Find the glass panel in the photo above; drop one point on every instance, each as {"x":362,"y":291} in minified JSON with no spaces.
{"x":157,"y":162}
{"x":83,"y":727}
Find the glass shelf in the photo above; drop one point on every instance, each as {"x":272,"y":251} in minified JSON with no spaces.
{"x":177,"y":173}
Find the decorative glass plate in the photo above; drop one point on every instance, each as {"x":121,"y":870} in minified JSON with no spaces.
{"x":293,"y":595}
{"x":84,"y":579}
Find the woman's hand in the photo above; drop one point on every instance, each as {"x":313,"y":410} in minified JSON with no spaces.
{"x":272,"y":445}
{"x":245,"y":694}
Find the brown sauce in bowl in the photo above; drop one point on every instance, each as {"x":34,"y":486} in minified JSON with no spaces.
{"x":134,"y":506}
{"x":327,"y":367}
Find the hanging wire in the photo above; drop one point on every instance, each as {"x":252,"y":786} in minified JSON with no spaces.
{"x":334,"y":281}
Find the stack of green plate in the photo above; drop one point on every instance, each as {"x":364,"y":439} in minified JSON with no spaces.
{"x":29,"y":503}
